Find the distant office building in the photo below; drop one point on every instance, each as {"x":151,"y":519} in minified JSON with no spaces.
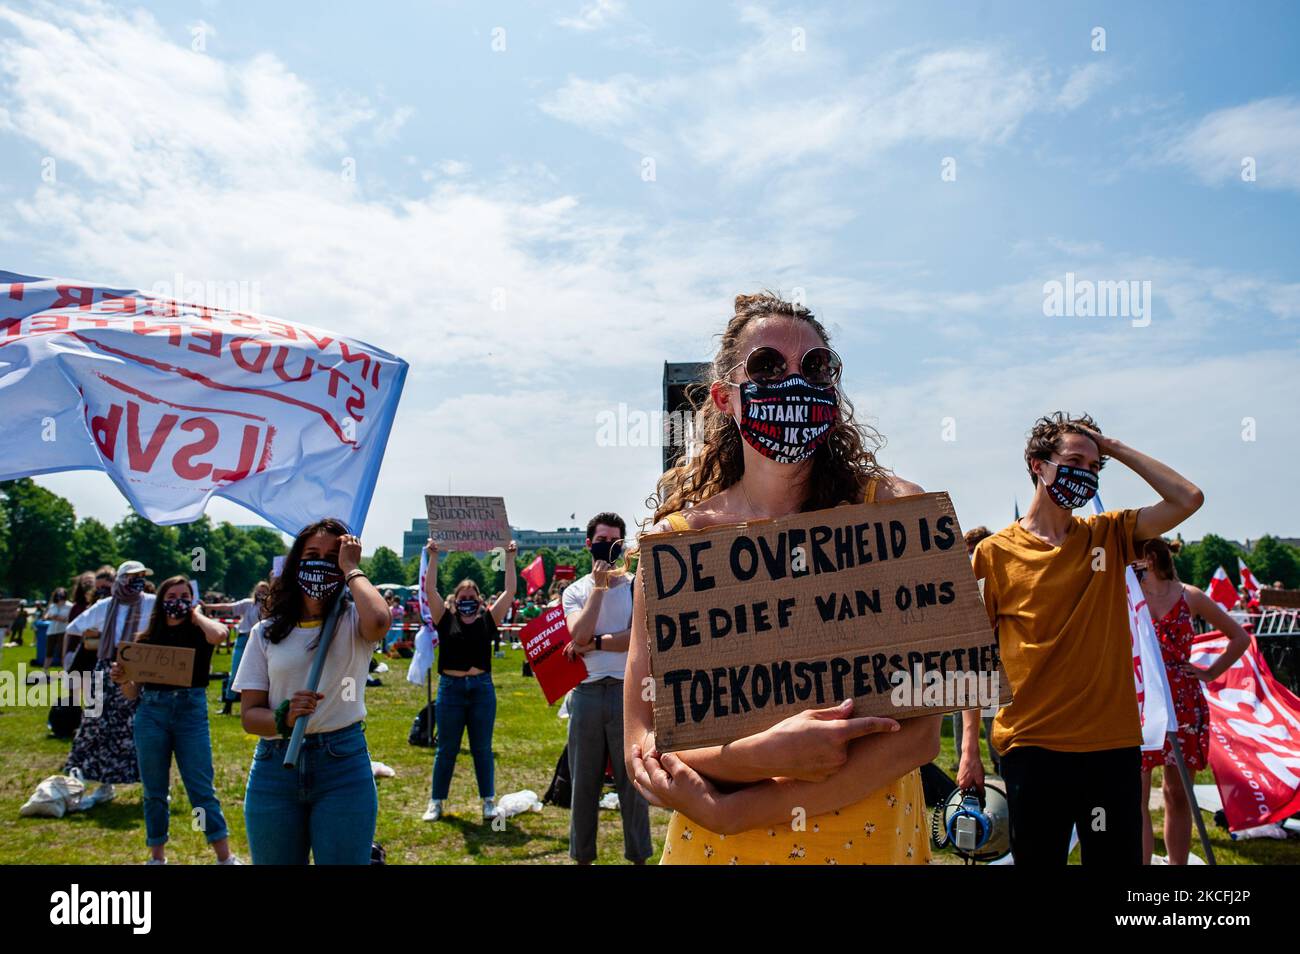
{"x":573,"y":538}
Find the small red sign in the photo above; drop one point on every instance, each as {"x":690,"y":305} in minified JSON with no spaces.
{"x":544,"y":640}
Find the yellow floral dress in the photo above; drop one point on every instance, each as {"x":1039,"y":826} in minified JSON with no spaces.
{"x":885,"y":828}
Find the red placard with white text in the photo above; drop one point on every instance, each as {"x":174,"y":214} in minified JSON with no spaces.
{"x":544,"y":640}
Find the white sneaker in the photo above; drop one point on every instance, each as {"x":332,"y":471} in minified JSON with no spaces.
{"x":230,"y":860}
{"x":489,"y":808}
{"x":434,"y":811}
{"x":156,"y":861}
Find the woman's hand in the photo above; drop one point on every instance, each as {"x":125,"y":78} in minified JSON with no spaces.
{"x":117,"y":673}
{"x":303,"y":703}
{"x":349,"y":552}
{"x":512,"y":548}
{"x":1196,"y":672}
{"x":432,"y":548}
{"x":668,"y":782}
{"x":814,"y":744}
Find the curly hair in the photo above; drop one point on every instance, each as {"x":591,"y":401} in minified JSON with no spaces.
{"x":841,"y":467}
{"x":1045,"y":438}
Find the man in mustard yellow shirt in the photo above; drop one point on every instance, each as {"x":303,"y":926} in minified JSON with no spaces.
{"x":1053,"y":586}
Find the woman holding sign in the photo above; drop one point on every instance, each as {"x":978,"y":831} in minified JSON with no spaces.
{"x":326,"y":807}
{"x":174,"y":720}
{"x":820,"y":787}
{"x":467,"y":698}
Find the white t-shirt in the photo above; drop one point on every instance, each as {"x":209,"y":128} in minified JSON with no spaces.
{"x":615,"y":616}
{"x":57,"y":616}
{"x":281,"y":669}
{"x":249,"y":614}
{"x":96,"y":616}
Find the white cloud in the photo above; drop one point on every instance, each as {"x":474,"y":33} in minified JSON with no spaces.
{"x":1266,"y":130}
{"x":593,"y":16}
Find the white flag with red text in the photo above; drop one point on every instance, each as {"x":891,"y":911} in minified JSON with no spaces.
{"x":177,"y":402}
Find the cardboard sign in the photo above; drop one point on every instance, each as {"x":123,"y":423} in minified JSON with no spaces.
{"x":544,"y":640}
{"x":468,"y":523}
{"x":9,"y":612}
{"x":749,"y":624}
{"x":167,"y":665}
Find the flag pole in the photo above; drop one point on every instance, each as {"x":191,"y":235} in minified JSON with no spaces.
{"x":313,"y":677}
{"x":1191,"y":798}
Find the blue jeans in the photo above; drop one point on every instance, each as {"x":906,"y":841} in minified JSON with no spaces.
{"x":171,"y":721}
{"x":227,"y":694}
{"x":327,"y":806}
{"x":465,"y":702}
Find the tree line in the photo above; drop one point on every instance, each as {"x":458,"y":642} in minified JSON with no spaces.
{"x":43,"y":545}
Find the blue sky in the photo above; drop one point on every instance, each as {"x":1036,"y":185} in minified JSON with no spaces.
{"x":501,"y":233}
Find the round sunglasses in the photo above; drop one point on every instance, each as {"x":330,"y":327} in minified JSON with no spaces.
{"x":820,"y":367}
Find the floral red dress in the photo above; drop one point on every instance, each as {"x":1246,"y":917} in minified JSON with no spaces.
{"x":1176,"y":635}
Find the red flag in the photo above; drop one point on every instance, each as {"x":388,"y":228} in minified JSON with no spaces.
{"x":1254,"y":736}
{"x":1221,"y":590}
{"x":1248,"y":579}
{"x":534,"y":575}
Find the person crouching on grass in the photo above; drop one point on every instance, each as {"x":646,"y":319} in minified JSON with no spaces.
{"x":327,"y":807}
{"x":1054,"y":588}
{"x":855,"y":779}
{"x":174,"y":720}
{"x":467,"y":699}
{"x":1172,"y":604}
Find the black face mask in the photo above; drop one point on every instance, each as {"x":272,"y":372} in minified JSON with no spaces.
{"x":786,"y":421}
{"x":103,"y":591}
{"x":136,"y":585}
{"x":607,"y":550}
{"x":467,"y":607}
{"x":319,"y":578}
{"x":1072,"y":487}
{"x":177,"y":609}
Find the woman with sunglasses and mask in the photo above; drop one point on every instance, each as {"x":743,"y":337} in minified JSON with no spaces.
{"x":174,"y":720}
{"x":855,"y":779}
{"x":326,"y":807}
{"x":467,"y":699}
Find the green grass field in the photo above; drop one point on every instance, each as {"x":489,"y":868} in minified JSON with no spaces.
{"x":527,"y":742}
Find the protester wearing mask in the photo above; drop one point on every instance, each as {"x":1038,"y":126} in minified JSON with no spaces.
{"x":467,"y":699}
{"x":248,"y":612}
{"x":598,"y":609}
{"x":1054,"y":588}
{"x":56,"y":614}
{"x":326,"y":807}
{"x":855,"y":779}
{"x":174,"y":720}
{"x":1172,"y":604}
{"x":77,"y":657}
{"x":104,"y":747}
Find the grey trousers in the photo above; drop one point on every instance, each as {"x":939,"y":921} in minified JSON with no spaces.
{"x":596,"y":731}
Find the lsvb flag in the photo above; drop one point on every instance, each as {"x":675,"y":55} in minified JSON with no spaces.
{"x":178,"y":402}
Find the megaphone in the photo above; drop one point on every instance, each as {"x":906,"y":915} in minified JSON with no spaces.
{"x":978,"y":828}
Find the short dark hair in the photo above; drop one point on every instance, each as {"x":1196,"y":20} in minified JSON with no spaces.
{"x":1045,"y":438}
{"x":609,"y":520}
{"x":973,"y":537}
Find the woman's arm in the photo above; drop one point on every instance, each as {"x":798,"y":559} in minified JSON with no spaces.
{"x":511,"y":574}
{"x":373,"y":618}
{"x":255,"y":713}
{"x":214,"y":632}
{"x":1214,"y":614}
{"x":873,"y":763}
{"x":431,"y":582}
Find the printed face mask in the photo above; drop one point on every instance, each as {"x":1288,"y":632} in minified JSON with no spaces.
{"x":177,"y":609}
{"x":136,"y":584}
{"x":467,"y":607}
{"x":1072,"y":487}
{"x":319,"y":578}
{"x":786,"y":421}
{"x":607,"y":550}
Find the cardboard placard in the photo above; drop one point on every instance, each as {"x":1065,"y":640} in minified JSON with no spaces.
{"x":166,"y":665}
{"x":751,"y":623}
{"x":544,"y":640}
{"x":468,"y":523}
{"x":9,"y":612}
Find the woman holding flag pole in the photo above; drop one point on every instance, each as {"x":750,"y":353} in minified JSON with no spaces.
{"x":1172,"y":604}
{"x":326,"y":805}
